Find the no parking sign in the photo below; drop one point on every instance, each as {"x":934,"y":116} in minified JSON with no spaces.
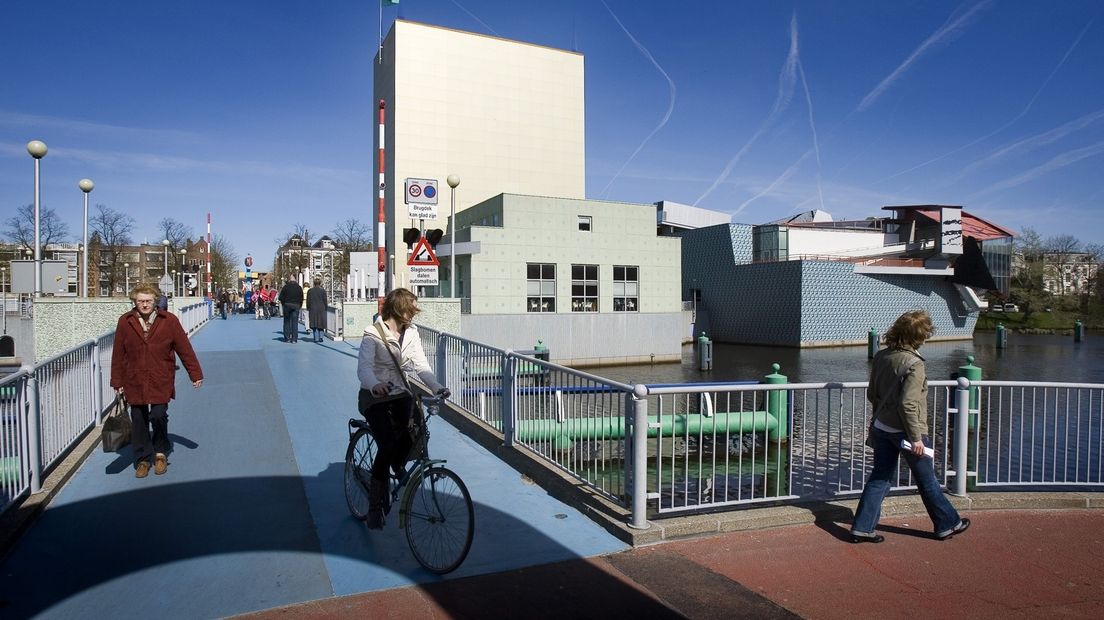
{"x":421,"y":198}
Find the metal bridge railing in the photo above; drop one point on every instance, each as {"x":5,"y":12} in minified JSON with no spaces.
{"x":669,"y":449}
{"x":48,"y":408}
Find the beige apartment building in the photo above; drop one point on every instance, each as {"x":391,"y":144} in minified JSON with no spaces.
{"x":504,"y":116}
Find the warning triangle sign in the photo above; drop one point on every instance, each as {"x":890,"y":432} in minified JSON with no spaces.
{"x":423,"y":255}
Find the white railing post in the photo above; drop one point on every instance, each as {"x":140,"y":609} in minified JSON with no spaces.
{"x":961,"y":435}
{"x":636,"y":411}
{"x":509,"y":405}
{"x":34,"y":430}
{"x":97,"y":382}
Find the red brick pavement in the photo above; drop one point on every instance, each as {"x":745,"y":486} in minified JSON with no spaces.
{"x":1010,"y":564}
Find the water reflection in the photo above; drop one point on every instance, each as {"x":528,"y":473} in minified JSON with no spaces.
{"x":1025,"y":358}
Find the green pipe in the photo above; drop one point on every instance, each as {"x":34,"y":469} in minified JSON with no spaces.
{"x":669,"y":426}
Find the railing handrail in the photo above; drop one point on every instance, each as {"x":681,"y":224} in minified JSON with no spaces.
{"x":623,"y":387}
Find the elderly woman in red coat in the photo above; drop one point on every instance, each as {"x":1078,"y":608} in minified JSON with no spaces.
{"x":143,"y":369}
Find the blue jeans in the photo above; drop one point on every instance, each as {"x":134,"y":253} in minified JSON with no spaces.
{"x":887,"y":449}
{"x":291,"y":323}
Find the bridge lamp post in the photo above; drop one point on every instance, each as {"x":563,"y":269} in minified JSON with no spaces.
{"x":165,"y":260}
{"x":37,"y":150}
{"x":453,"y":181}
{"x":86,"y":186}
{"x":126,"y":267}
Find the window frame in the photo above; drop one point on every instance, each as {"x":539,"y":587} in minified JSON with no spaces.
{"x":586,"y":299}
{"x":629,"y":299}
{"x":545,"y":283}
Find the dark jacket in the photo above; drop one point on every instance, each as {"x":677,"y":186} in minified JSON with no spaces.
{"x":146,"y":368}
{"x":291,"y":294}
{"x":316,"y":307}
{"x":898,"y":391}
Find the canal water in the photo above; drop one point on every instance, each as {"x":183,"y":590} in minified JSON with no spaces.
{"x":1024,"y":358}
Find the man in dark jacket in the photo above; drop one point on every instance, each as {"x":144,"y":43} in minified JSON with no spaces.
{"x":143,"y":370}
{"x":291,"y":298}
{"x":316,"y":309}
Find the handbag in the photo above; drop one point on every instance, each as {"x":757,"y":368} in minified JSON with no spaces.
{"x":115,"y":432}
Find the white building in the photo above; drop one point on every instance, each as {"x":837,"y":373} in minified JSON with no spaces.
{"x":504,"y":116}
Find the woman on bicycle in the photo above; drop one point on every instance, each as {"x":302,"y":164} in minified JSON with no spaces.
{"x":385,"y":399}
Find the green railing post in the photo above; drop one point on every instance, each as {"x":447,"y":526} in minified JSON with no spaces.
{"x":973,"y":374}
{"x":778,"y":406}
{"x":871,"y":343}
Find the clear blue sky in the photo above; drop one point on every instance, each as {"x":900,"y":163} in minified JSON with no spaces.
{"x":261,"y":111}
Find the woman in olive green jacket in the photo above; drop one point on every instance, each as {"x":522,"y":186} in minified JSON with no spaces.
{"x":898,"y":393}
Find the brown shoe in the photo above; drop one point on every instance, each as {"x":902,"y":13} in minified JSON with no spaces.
{"x":142,"y":470}
{"x":160,"y":465}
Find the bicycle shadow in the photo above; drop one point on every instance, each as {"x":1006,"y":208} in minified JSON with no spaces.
{"x":81,"y":556}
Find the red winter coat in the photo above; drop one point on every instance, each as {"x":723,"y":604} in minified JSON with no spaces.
{"x":146,"y":369}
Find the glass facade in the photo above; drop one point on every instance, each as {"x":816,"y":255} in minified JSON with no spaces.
{"x":998,"y":257}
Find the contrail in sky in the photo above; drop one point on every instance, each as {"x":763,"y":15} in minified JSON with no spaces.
{"x":786,"y":79}
{"x":812,"y":126}
{"x":670,"y":103}
{"x":1036,"y":141}
{"x":1061,"y":161}
{"x":781,"y":179}
{"x":1023,"y":112}
{"x":472,"y":15}
{"x":950,"y":28}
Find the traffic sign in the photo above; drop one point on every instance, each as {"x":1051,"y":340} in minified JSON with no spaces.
{"x":422,"y":255}
{"x":422,"y":275}
{"x":420,"y":198}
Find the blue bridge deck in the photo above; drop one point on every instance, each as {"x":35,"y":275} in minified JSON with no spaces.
{"x":251,"y":514}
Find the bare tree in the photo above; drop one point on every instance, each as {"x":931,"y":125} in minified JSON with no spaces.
{"x":352,"y":235}
{"x":110,"y":232}
{"x":224,"y":261}
{"x":20,"y":228}
{"x":176,"y":232}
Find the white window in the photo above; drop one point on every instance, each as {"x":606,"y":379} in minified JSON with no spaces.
{"x":584,"y":223}
{"x":540,"y":287}
{"x":584,"y":288}
{"x":626,"y":288}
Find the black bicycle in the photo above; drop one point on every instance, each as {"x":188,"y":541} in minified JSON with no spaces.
{"x":435,"y":508}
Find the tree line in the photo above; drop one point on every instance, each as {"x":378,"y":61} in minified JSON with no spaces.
{"x":1038,"y":259}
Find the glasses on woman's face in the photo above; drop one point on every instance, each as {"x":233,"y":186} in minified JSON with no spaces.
{"x":143,"y":301}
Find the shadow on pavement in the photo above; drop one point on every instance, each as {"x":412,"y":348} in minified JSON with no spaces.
{"x":88,"y":547}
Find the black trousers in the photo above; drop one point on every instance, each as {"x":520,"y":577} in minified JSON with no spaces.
{"x":291,"y":323}
{"x":388,"y":421}
{"x":144,"y":443}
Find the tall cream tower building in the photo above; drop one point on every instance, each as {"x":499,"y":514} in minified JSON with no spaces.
{"x":504,"y":116}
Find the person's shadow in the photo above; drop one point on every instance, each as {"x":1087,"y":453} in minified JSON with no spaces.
{"x":124,"y":458}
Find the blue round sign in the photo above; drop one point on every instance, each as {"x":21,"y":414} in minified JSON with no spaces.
{"x":430,"y":191}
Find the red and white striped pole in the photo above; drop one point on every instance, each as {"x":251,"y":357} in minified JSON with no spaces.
{"x":210,"y":291}
{"x":381,"y":230}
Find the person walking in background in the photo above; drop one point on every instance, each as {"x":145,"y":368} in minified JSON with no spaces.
{"x":316,"y":309}
{"x":291,"y":298}
{"x":391,"y":343}
{"x":898,"y":394}
{"x":259,"y":303}
{"x":143,"y":370}
{"x":224,"y":303}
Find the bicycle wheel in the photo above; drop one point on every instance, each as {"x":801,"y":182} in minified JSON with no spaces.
{"x":358,"y":472}
{"x":440,"y":519}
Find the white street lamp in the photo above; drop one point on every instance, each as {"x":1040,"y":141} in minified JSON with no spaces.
{"x":183,"y":256}
{"x":126,"y":267}
{"x":86,"y":186}
{"x":453,"y":181}
{"x":37,"y":150}
{"x":165,"y":243}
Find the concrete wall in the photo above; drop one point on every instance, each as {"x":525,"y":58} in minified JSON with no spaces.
{"x":584,"y":339}
{"x":442,"y":314}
